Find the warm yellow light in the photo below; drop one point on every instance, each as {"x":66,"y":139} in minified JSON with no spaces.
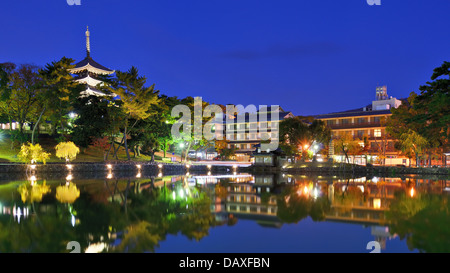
{"x":209,"y":166}
{"x":109,"y":166}
{"x":412,"y":192}
{"x":138,"y":166}
{"x":69,"y":166}
{"x":109,"y":176}
{"x":305,"y":190}
{"x":69,"y":177}
{"x":187,"y":166}
{"x":209,"y":173}
{"x":234,"y":166}
{"x":160,"y":166}
{"x":33,"y":167}
{"x":187,"y":173}
{"x":138,"y":175}
{"x":376,"y":203}
{"x":306,"y":147}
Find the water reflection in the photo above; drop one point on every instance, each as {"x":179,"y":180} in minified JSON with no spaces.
{"x":135,"y":214}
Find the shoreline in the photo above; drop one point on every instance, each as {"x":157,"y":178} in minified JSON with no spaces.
{"x":357,"y":170}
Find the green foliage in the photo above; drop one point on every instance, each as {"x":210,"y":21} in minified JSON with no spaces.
{"x":136,"y":99}
{"x":295,"y":133}
{"x":19,"y":93}
{"x":347,"y":145}
{"x":60,"y":91}
{"x":97,"y":118}
{"x":30,"y":153}
{"x":423,"y":220}
{"x":67,"y":150}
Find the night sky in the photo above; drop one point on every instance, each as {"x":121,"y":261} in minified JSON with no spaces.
{"x":310,"y":57}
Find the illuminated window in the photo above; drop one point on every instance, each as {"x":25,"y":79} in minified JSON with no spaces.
{"x":376,"y":203}
{"x":377,"y":133}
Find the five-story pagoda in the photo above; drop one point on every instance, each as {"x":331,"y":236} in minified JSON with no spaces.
{"x":87,"y":72}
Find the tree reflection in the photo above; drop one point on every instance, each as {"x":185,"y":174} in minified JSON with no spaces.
{"x":423,"y":220}
{"x":296,"y":203}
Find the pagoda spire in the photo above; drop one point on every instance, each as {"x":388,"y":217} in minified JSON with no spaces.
{"x":88,"y":44}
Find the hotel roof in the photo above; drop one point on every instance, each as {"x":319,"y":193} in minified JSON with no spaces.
{"x":353,"y":113}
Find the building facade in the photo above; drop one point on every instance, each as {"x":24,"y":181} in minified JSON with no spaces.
{"x":369,"y":122}
{"x":244,"y":131}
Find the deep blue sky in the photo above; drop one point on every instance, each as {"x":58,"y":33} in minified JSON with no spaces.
{"x":310,"y":57}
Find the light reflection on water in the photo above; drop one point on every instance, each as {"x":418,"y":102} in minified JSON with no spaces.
{"x":225,"y":213}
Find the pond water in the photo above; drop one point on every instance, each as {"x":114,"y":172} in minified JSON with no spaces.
{"x":239,"y":213}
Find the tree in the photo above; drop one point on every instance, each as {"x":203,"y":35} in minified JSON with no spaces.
{"x":428,"y":114}
{"x":414,"y":142}
{"x":401,"y":121}
{"x":348,"y":145}
{"x":297,"y":133}
{"x":60,"y":91}
{"x":136,"y":99}
{"x":31,"y":153}
{"x":433,"y":107}
{"x":67,"y":150}
{"x":293,"y":132}
{"x":97,"y":117}
{"x":20,"y":99}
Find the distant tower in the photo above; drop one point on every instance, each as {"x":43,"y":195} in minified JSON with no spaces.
{"x":87,"y":71}
{"x":382,"y":93}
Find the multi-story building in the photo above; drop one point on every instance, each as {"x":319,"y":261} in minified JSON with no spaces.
{"x":370,"y":122}
{"x":244,"y":131}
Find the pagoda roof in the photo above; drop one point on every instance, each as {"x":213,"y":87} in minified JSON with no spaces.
{"x":92,"y":66}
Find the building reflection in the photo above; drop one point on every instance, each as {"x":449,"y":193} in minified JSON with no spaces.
{"x":362,"y":200}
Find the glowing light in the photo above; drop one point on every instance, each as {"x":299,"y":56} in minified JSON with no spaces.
{"x":305,"y":147}
{"x":33,"y":167}
{"x":69,"y":166}
{"x":305,"y":190}
{"x":412,"y":192}
{"x":209,"y":173}
{"x":138,"y":175}
{"x":173,"y":195}
{"x":109,"y":166}
{"x":315,"y":193}
{"x":69,"y":177}
{"x":187,"y":173}
{"x":187,"y":166}
{"x":160,"y":166}
{"x":73,"y":220}
{"x":375,"y":179}
{"x":181,"y":193}
{"x":159,"y":174}
{"x":234,"y":166}
{"x":33,"y":178}
{"x":109,"y":176}
{"x":376,"y":203}
{"x":209,"y":166}
{"x":72,"y":115}
{"x":181,"y":145}
{"x":138,"y":166}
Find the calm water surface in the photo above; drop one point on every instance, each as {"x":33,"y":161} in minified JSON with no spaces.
{"x":225,"y":213}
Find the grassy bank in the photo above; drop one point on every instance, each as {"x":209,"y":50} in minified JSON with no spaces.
{"x":91,"y":154}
